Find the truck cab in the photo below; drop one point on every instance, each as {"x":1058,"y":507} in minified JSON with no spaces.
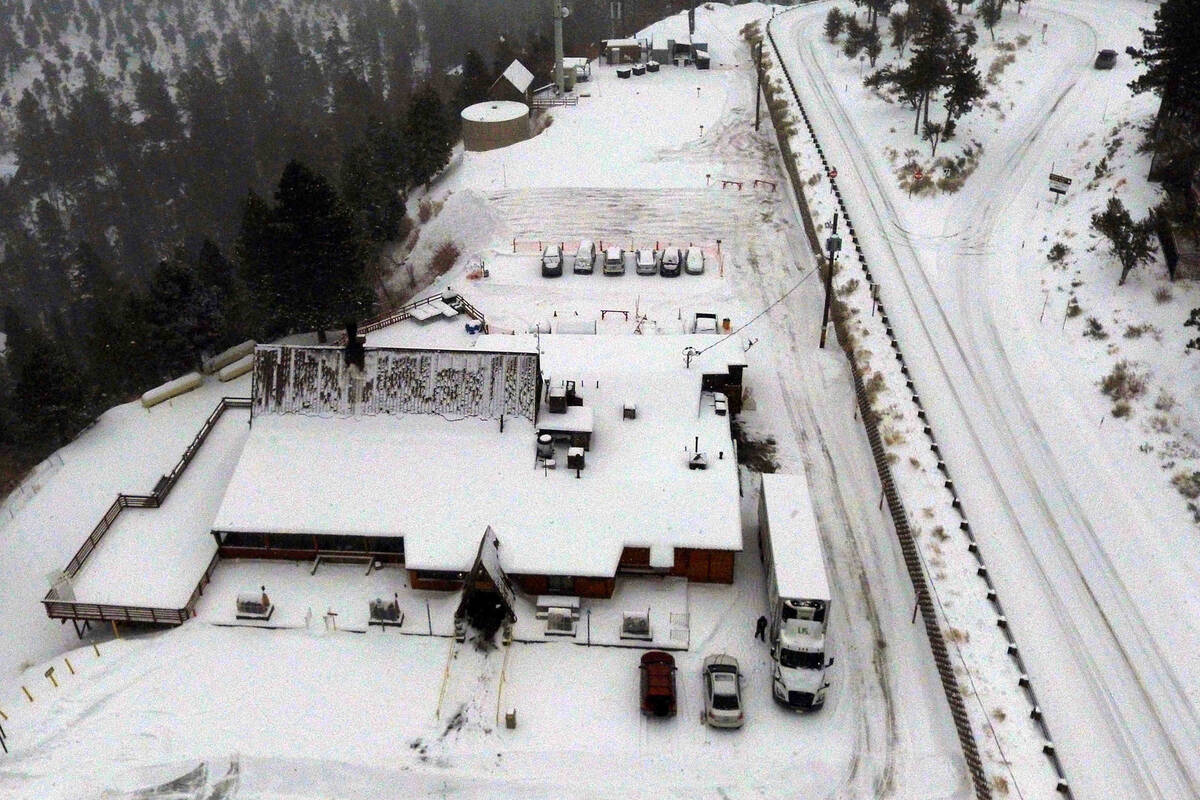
{"x":799,"y":681}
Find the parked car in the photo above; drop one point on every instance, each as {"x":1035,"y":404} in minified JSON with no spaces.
{"x":658,"y":684}
{"x":647,"y":262}
{"x":630,"y":260}
{"x":722,"y":692}
{"x":614,"y":261}
{"x":552,"y":261}
{"x":1106,"y":59}
{"x":671,"y":263}
{"x":585,"y":257}
{"x":693,"y":262}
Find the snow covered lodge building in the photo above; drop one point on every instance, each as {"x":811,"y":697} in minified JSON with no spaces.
{"x":590,"y":456}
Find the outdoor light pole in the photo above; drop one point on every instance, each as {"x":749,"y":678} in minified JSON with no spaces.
{"x":832,"y":245}
{"x":757,"y":84}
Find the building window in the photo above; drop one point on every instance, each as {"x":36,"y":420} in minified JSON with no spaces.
{"x":435,"y":575}
{"x":560,"y":584}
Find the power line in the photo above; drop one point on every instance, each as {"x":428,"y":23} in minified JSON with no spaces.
{"x":760,"y":314}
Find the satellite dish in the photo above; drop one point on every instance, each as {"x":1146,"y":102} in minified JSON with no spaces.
{"x":566,"y":12}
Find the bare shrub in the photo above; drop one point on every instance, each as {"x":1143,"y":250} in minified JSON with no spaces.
{"x":1057,"y":253}
{"x":1000,"y":783}
{"x":424,"y":211}
{"x":1073,"y":307}
{"x":1165,"y":400}
{"x":958,"y":636}
{"x":1187,"y":483}
{"x":849,"y":287}
{"x":1121,"y":409}
{"x":443,"y":258}
{"x":873,"y":387}
{"x":1163,"y":295}
{"x":1123,"y":383}
{"x":1094,"y":330}
{"x":997,"y":67}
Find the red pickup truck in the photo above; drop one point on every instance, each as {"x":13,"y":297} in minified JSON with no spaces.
{"x":658,"y":684}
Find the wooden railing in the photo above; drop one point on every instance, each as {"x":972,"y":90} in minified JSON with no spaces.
{"x":549,"y":102}
{"x":404,"y":312}
{"x":68,"y":609}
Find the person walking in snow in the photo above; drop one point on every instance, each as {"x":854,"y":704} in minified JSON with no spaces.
{"x":760,"y":629}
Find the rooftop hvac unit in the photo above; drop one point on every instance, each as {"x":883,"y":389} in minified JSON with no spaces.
{"x":255,"y":605}
{"x":636,"y":626}
{"x":575,"y":458}
{"x":545,"y":446}
{"x":560,"y":622}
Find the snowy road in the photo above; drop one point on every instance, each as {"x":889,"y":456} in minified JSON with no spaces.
{"x":1044,"y":493}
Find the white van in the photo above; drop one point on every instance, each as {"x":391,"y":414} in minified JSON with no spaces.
{"x":585,"y":257}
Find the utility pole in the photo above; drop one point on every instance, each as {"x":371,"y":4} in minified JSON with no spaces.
{"x":757,"y":84}
{"x":558,"y":45}
{"x":832,"y":245}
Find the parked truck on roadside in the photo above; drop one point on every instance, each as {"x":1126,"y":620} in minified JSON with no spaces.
{"x":797,"y":591}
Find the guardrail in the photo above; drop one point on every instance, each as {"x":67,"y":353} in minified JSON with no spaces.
{"x":908,"y":547}
{"x":57,"y":608}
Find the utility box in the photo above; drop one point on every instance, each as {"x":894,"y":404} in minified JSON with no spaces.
{"x":510,"y":719}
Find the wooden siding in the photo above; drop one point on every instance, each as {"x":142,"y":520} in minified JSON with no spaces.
{"x":704,"y":566}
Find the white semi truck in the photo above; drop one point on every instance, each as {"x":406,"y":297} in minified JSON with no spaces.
{"x":797,"y":591}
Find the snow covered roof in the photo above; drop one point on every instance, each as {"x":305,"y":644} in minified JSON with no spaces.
{"x":440,"y":483}
{"x":495,"y":111}
{"x":611,"y":43}
{"x":519,"y":76}
{"x":795,"y":538}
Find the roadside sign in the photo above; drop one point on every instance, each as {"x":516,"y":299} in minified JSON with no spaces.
{"x":1059,"y":183}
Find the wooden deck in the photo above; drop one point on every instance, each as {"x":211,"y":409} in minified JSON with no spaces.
{"x":64,"y":609}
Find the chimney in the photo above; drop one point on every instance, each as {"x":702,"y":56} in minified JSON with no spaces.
{"x":355,"y":353}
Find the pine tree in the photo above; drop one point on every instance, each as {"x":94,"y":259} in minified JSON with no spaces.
{"x":872,"y":44}
{"x":304,"y":258}
{"x":834,"y":22}
{"x":475,"y":81}
{"x":49,"y":402}
{"x":855,"y":38}
{"x":989,"y":15}
{"x":160,"y":117}
{"x":427,"y":136}
{"x":965,"y":88}
{"x":1171,"y":54}
{"x":900,"y":28}
{"x":1129,"y":241}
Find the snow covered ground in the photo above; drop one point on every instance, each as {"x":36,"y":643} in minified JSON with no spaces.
{"x":316,"y":713}
{"x":1091,"y":547}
